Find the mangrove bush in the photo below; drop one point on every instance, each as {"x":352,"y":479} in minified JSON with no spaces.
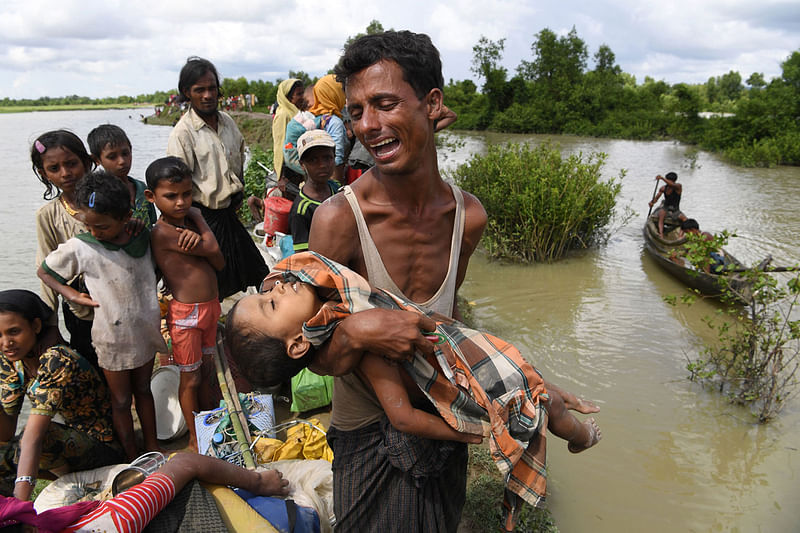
{"x":540,"y":205}
{"x":755,"y":356}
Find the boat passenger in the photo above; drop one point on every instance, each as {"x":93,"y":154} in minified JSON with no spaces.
{"x":59,"y":160}
{"x":36,"y":363}
{"x":132,"y":510}
{"x":716,"y":261}
{"x":670,"y":206}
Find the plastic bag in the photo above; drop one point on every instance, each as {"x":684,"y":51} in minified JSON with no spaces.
{"x":310,"y":391}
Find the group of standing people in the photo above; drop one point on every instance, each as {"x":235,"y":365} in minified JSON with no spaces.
{"x":98,"y":245}
{"x":400,"y":226}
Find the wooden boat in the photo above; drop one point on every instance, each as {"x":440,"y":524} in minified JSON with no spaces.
{"x":666,"y":251}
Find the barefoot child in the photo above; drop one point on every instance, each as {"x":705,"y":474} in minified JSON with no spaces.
{"x":120,"y":275}
{"x":480,"y":385}
{"x":187,"y":254}
{"x":59,"y":160}
{"x":111,"y":149}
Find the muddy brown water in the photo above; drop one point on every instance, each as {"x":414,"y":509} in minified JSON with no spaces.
{"x":674,"y":457}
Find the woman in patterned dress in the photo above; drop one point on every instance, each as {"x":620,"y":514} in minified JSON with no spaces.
{"x":35,"y":361}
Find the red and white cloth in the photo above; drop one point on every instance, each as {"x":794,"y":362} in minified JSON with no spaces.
{"x":130,"y":511}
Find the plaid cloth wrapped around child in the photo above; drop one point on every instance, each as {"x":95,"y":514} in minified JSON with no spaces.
{"x":479,"y":384}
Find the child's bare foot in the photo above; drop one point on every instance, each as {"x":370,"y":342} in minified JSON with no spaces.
{"x":594,"y":437}
{"x":574,"y":403}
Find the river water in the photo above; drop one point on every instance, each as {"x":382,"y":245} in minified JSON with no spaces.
{"x":674,"y":456}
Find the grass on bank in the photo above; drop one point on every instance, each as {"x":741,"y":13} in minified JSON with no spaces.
{"x":483,"y":510}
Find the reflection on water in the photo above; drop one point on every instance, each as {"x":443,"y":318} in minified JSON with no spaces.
{"x":674,"y":457}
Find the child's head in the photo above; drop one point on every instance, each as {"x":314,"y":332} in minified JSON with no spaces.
{"x":265,"y":332}
{"x":22,"y":318}
{"x":690,"y":225}
{"x":105,"y":204}
{"x":111,"y":148}
{"x":317,"y":151}
{"x":169,"y":186}
{"x":59,"y":160}
{"x":671,"y":176}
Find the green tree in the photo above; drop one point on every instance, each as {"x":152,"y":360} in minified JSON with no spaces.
{"x":756,"y":80}
{"x":486,"y":64}
{"x":605,"y":61}
{"x":372,"y":28}
{"x":556,"y":73}
{"x":712,"y":90}
{"x":730,"y":85}
{"x":302,"y":76}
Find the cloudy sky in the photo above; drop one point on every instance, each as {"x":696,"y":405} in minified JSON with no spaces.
{"x":109,"y":48}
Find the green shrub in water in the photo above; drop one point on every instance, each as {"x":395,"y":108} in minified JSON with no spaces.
{"x":540,"y":205}
{"x":755,"y":356}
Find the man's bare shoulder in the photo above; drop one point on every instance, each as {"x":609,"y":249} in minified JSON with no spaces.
{"x":475,"y":217}
{"x":333,"y":229}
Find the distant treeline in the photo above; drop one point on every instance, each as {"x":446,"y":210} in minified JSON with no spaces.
{"x":156,"y":98}
{"x":264,"y":90}
{"x":754,"y":123}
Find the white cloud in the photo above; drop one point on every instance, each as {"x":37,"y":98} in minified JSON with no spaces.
{"x":110,"y":47}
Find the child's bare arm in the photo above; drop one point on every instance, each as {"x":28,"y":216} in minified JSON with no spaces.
{"x":388,"y":386}
{"x":66,"y":291}
{"x":166,"y":237}
{"x":210,"y":246}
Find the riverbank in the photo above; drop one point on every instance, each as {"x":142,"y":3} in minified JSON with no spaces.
{"x":255,"y":127}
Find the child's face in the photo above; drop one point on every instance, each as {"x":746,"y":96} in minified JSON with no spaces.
{"x":280,"y":310}
{"x":116,"y":160}
{"x":62,"y":168}
{"x":318,"y":163}
{"x":105,"y":227}
{"x":296,"y":97}
{"x":172,"y":199}
{"x":17,"y":335}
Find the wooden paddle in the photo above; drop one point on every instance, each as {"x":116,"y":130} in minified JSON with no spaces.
{"x":655,"y":190}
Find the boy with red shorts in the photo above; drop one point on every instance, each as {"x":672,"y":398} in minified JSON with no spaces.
{"x":187,"y":254}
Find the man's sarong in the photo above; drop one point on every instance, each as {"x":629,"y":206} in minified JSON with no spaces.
{"x":244,"y":264}
{"x":396,"y":481}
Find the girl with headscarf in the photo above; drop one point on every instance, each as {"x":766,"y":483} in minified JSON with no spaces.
{"x":34,"y":361}
{"x":290,"y":100}
{"x":329,"y":101}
